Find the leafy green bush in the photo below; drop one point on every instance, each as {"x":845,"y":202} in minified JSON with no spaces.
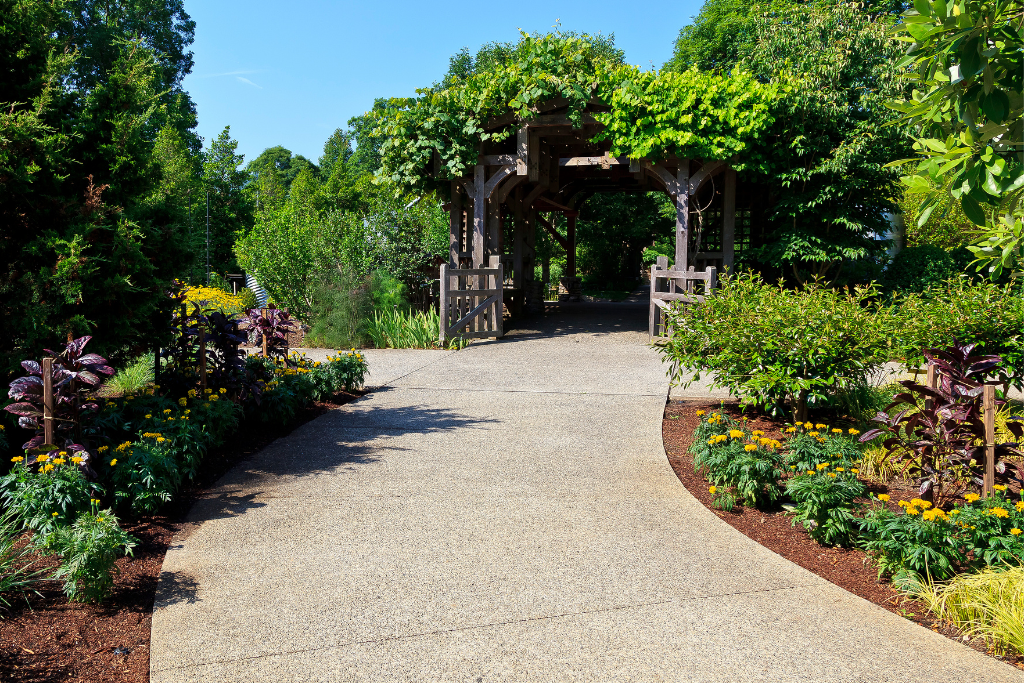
{"x":745,"y":463}
{"x":824,"y":503}
{"x":916,"y":269}
{"x":924,"y":541}
{"x":988,"y":315}
{"x":46,"y":492}
{"x":88,"y":550}
{"x":247,"y":299}
{"x":341,"y":306}
{"x":814,"y":444}
{"x":145,"y":474}
{"x":343,"y":372}
{"x":772,"y":346}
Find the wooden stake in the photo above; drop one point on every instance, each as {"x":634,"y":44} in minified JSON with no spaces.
{"x":989,"y":408}
{"x":929,"y":382}
{"x":263,"y":312}
{"x":442,"y":306}
{"x":202,"y":360}
{"x":48,"y":400}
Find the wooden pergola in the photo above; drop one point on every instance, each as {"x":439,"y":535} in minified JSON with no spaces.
{"x":550,"y":166}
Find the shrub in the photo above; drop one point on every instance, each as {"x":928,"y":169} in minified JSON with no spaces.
{"x":343,"y":372}
{"x":88,"y":550}
{"x":916,"y":269}
{"x":813,"y":444}
{"x":989,"y":605}
{"x":247,"y":299}
{"x":988,"y":315}
{"x":938,"y":434}
{"x":772,"y":346}
{"x":745,"y":462}
{"x":924,"y":541}
{"x":824,"y":503}
{"x":145,"y":475}
{"x":45,"y":492}
{"x":341,"y":306}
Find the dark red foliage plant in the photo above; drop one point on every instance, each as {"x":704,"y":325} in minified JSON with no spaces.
{"x":938,"y":434}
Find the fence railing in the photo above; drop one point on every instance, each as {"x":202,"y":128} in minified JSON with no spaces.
{"x":471,"y":302}
{"x":670,"y":286}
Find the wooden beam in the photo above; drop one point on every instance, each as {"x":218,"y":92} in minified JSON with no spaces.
{"x":534,"y":194}
{"x":729,"y":220}
{"x":501,"y":193}
{"x":547,"y":120}
{"x":603,"y":161}
{"x":499,"y":175}
{"x":570,"y":252}
{"x":469,"y":185}
{"x":497,"y":159}
{"x":554,"y":233}
{"x":702,"y":176}
{"x":479,"y":216}
{"x":522,"y":150}
{"x":661,"y":173}
{"x":682,"y":215}
{"x":532,"y":156}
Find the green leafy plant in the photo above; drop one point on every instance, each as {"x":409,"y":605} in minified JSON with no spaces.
{"x":88,"y":549}
{"x":145,"y":475}
{"x":916,"y":269}
{"x":45,"y":492}
{"x":824,"y":503}
{"x":813,"y":444}
{"x":774,"y":346}
{"x":394,"y":329}
{"x":16,"y":558}
{"x":132,"y":379}
{"x":746,"y":464}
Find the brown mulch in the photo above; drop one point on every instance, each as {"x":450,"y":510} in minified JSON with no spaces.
{"x":48,"y":639}
{"x":847,"y":568}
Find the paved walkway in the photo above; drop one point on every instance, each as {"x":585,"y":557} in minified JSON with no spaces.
{"x":507,"y":513}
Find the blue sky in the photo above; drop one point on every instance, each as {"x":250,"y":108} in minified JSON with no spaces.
{"x":290,"y":73}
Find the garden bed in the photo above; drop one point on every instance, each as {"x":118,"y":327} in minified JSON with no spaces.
{"x":50,"y":639}
{"x":850,"y":569}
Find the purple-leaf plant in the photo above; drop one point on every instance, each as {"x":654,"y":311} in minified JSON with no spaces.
{"x":938,"y":434}
{"x":73,"y":373}
{"x":273,"y":324}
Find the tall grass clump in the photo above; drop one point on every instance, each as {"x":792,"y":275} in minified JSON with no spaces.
{"x":395,"y":329}
{"x":989,"y":605}
{"x":16,"y":573}
{"x":342,"y":306}
{"x":132,"y":379}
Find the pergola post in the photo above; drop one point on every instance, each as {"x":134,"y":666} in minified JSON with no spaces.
{"x":570,"y":252}
{"x":518,"y":249}
{"x":729,"y":220}
{"x":479,"y":217}
{"x":455,"y":223}
{"x":682,"y":214}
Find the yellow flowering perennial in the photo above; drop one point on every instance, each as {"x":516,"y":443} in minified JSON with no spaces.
{"x":736,"y":434}
{"x":884,"y":497}
{"x":750,"y":447}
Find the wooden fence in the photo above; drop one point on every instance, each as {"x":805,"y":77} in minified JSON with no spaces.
{"x":670,"y":286}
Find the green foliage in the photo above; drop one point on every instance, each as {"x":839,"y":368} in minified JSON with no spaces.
{"x":16,"y":560}
{"x":341,"y":305}
{"x":132,"y":379}
{"x":736,"y":459}
{"x":231,"y":209}
{"x":43,"y":495}
{"x":982,"y":313}
{"x":989,"y":605}
{"x":247,"y":299}
{"x":966,"y":61}
{"x":771,"y":346}
{"x":342,"y":372}
{"x":915,"y":269}
{"x":613,"y":231}
{"x":396,"y":329}
{"x":88,"y":549}
{"x":812,"y":445}
{"x":922,"y":541}
{"x":145,"y":474}
{"x":824,"y":503}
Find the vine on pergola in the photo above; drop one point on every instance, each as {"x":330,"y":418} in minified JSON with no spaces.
{"x":647,"y":114}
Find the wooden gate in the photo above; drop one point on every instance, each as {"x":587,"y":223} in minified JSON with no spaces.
{"x":669,"y":286}
{"x":471,"y":304}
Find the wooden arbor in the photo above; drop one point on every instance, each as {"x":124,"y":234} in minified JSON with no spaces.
{"x":551,"y":166}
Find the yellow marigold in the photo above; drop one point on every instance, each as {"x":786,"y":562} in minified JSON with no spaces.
{"x":820,"y":426}
{"x":903,"y":504}
{"x":923,"y":504}
{"x":191,"y":393}
{"x":855,"y":470}
{"x":971,"y":497}
{"x":182,"y":402}
{"x":77,"y":459}
{"x":1000,"y":487}
{"x":47,"y":468}
{"x":113,"y":462}
{"x":799,"y":424}
{"x":149,"y":417}
{"x":43,"y":458}
{"x":17,"y":458}
{"x":954,"y":511}
{"x":712,"y":440}
{"x":160,"y":439}
{"x":832,"y":474}
{"x":911,"y":510}
{"x":712,"y":489}
{"x":836,"y":430}
{"x":750,"y":447}
{"x":736,"y":434}
{"x":790,"y":430}
{"x":814,"y":433}
{"x":810,"y":471}
{"x":1015,"y":531}
{"x":103,"y":449}
{"x":1020,"y":506}
{"x":840,"y":469}
{"x":214,"y":398}
{"x":792,"y":467}
{"x":1000,"y":512}
{"x":757,"y":432}
{"x":853,"y":431}
{"x":884,"y":497}
{"x":168,"y":411}
{"x":207,"y":391}
{"x":59,"y":461}
{"x":700,"y":413}
{"x":822,"y":465}
{"x":223,"y":390}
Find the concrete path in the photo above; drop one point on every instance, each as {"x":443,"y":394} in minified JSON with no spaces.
{"x":507,"y":513}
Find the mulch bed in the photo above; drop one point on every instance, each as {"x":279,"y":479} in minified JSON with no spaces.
{"x":850,"y":569}
{"x":48,"y":639}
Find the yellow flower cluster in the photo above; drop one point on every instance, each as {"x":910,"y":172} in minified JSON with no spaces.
{"x":971,"y":497}
{"x":718,"y":438}
{"x":712,"y":490}
{"x":1001,"y":513}
{"x":736,"y":434}
{"x":917,"y":506}
{"x":1015,"y":531}
{"x":884,"y":497}
{"x":123,"y":447}
{"x":211,"y":297}
{"x":1020,"y":506}
{"x":750,"y":447}
{"x":701,"y":413}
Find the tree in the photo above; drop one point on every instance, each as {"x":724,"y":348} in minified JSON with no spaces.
{"x":832,"y":139}
{"x":967,"y":61}
{"x":231,"y":210}
{"x":84,"y":250}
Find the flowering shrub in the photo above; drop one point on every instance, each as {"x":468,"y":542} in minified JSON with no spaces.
{"x":824,"y":503}
{"x":210,"y":299}
{"x":924,"y":541}
{"x":88,"y":549}
{"x":746,"y":464}
{"x":815,"y":443}
{"x":45,"y":492}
